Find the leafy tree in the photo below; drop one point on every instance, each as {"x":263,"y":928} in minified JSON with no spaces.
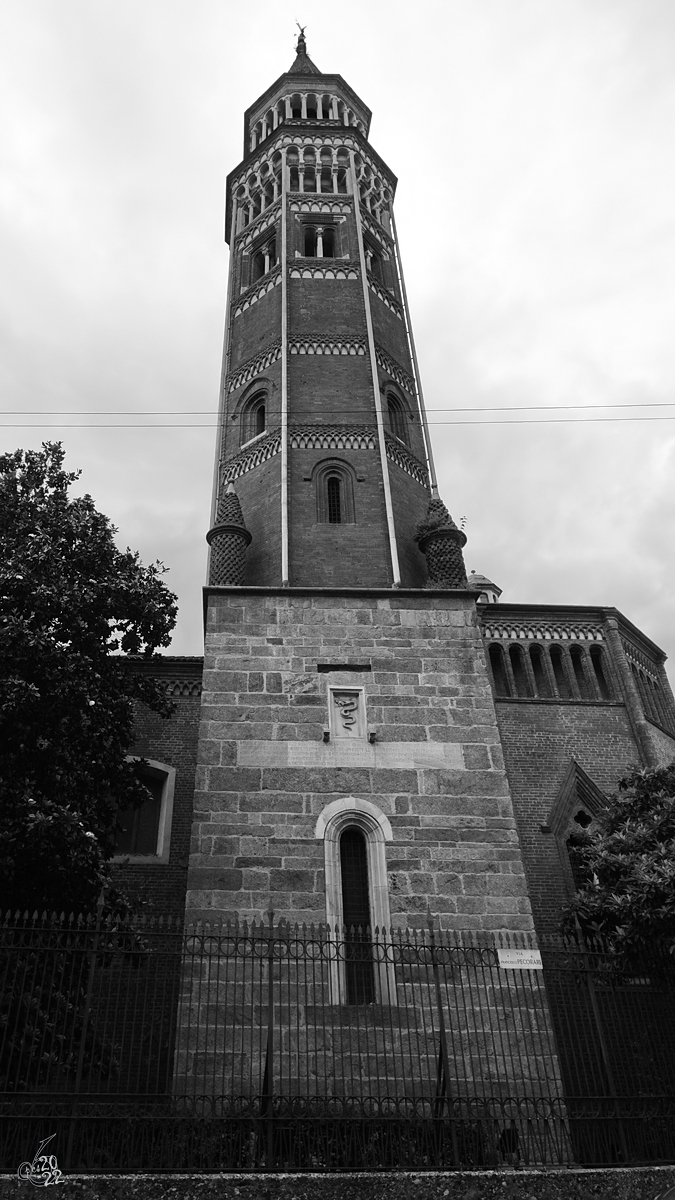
{"x":626,"y":864}
{"x":74,"y":613}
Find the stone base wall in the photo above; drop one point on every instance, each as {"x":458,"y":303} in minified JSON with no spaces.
{"x":434,"y":769}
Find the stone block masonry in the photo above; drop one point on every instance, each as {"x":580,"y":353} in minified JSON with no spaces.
{"x":434,"y":769}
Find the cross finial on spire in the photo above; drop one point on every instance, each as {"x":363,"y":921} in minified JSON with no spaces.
{"x":301,"y":46}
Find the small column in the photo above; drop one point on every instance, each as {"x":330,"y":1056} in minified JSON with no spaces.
{"x":303,"y":106}
{"x":319,"y":241}
{"x":228,"y":540}
{"x":266,"y":253}
{"x":442,"y":543}
{"x":334,"y":173}
{"x":301,"y":178}
{"x":319,"y":109}
{"x":289,"y":110}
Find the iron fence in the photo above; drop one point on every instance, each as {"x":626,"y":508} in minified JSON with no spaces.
{"x":273,"y":1047}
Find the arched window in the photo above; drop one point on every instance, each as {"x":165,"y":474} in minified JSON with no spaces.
{"x":309,"y":249}
{"x":496,"y":655}
{"x":358,"y":952}
{"x":397,"y":417}
{"x":264,"y":258}
{"x":519,"y":671}
{"x":334,"y":492}
{"x":541,"y":681}
{"x":577,"y":657}
{"x":354,"y":834}
{"x":599,"y":672}
{"x":558,"y":664}
{"x":254,"y":417}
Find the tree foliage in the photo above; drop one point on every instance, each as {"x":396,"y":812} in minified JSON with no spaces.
{"x":74,"y":610}
{"x":627,"y":860}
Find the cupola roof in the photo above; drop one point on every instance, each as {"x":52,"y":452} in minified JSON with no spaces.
{"x":481,"y":582}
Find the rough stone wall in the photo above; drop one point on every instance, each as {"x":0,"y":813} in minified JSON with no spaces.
{"x":538,"y":741}
{"x":158,"y":889}
{"x":436,"y":769}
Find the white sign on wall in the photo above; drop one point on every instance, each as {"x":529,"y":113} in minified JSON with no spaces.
{"x":520,"y":960}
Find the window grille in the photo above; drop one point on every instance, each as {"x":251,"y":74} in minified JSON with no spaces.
{"x":334,"y":500}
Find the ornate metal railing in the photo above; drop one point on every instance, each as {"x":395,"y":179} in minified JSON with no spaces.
{"x":236,"y":1047}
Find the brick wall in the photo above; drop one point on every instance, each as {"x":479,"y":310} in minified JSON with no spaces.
{"x":539,"y":740}
{"x":159,"y":888}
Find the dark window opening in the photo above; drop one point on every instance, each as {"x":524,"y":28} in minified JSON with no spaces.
{"x":140,"y":826}
{"x":356,"y":918}
{"x":539,"y":670}
{"x":342,"y":181}
{"x":559,"y":673}
{"x":311,"y":110}
{"x":599,"y":672}
{"x":577,"y":657}
{"x":254,"y":420}
{"x":397,"y":418}
{"x":309,"y":249}
{"x":310,"y":180}
{"x":580,"y":871}
{"x":294,"y":183}
{"x":328,"y":243}
{"x":499,"y":675}
{"x":334,"y":500}
{"x":519,"y":673}
{"x":326,"y":179}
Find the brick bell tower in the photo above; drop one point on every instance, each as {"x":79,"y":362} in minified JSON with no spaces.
{"x":348,"y":729}
{"x":323,"y":434}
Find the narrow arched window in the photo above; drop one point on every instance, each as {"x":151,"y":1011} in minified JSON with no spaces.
{"x":334,"y":492}
{"x":577,"y":657}
{"x":334,"y":500}
{"x":356,"y":917}
{"x":310,"y":241}
{"x":499,"y":675}
{"x":557,"y":662}
{"x":519,"y":671}
{"x":599,"y":672}
{"x":397,"y":417}
{"x":328,"y":242}
{"x":541,"y":682}
{"x":254,"y":417}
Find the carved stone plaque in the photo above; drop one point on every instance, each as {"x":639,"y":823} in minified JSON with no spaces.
{"x":347,"y":709}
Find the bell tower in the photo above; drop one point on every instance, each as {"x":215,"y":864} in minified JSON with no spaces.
{"x":322,"y":431}
{"x":348,"y":728}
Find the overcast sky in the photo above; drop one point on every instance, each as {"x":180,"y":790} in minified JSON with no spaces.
{"x":533,"y":142}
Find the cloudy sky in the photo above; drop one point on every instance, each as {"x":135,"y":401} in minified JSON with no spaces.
{"x":533,"y":141}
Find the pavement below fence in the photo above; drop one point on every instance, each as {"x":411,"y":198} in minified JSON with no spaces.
{"x":635,"y":1183}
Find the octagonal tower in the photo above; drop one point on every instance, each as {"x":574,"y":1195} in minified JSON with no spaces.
{"x":322,"y":428}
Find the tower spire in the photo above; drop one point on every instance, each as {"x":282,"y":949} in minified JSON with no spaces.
{"x":303,"y":64}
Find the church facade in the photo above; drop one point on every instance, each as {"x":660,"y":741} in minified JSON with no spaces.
{"x":371,"y":737}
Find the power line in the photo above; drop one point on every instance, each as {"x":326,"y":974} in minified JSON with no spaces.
{"x":207,"y":412}
{"x":214,"y":424}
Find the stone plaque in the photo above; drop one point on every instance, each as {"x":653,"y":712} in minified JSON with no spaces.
{"x":347,"y":713}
